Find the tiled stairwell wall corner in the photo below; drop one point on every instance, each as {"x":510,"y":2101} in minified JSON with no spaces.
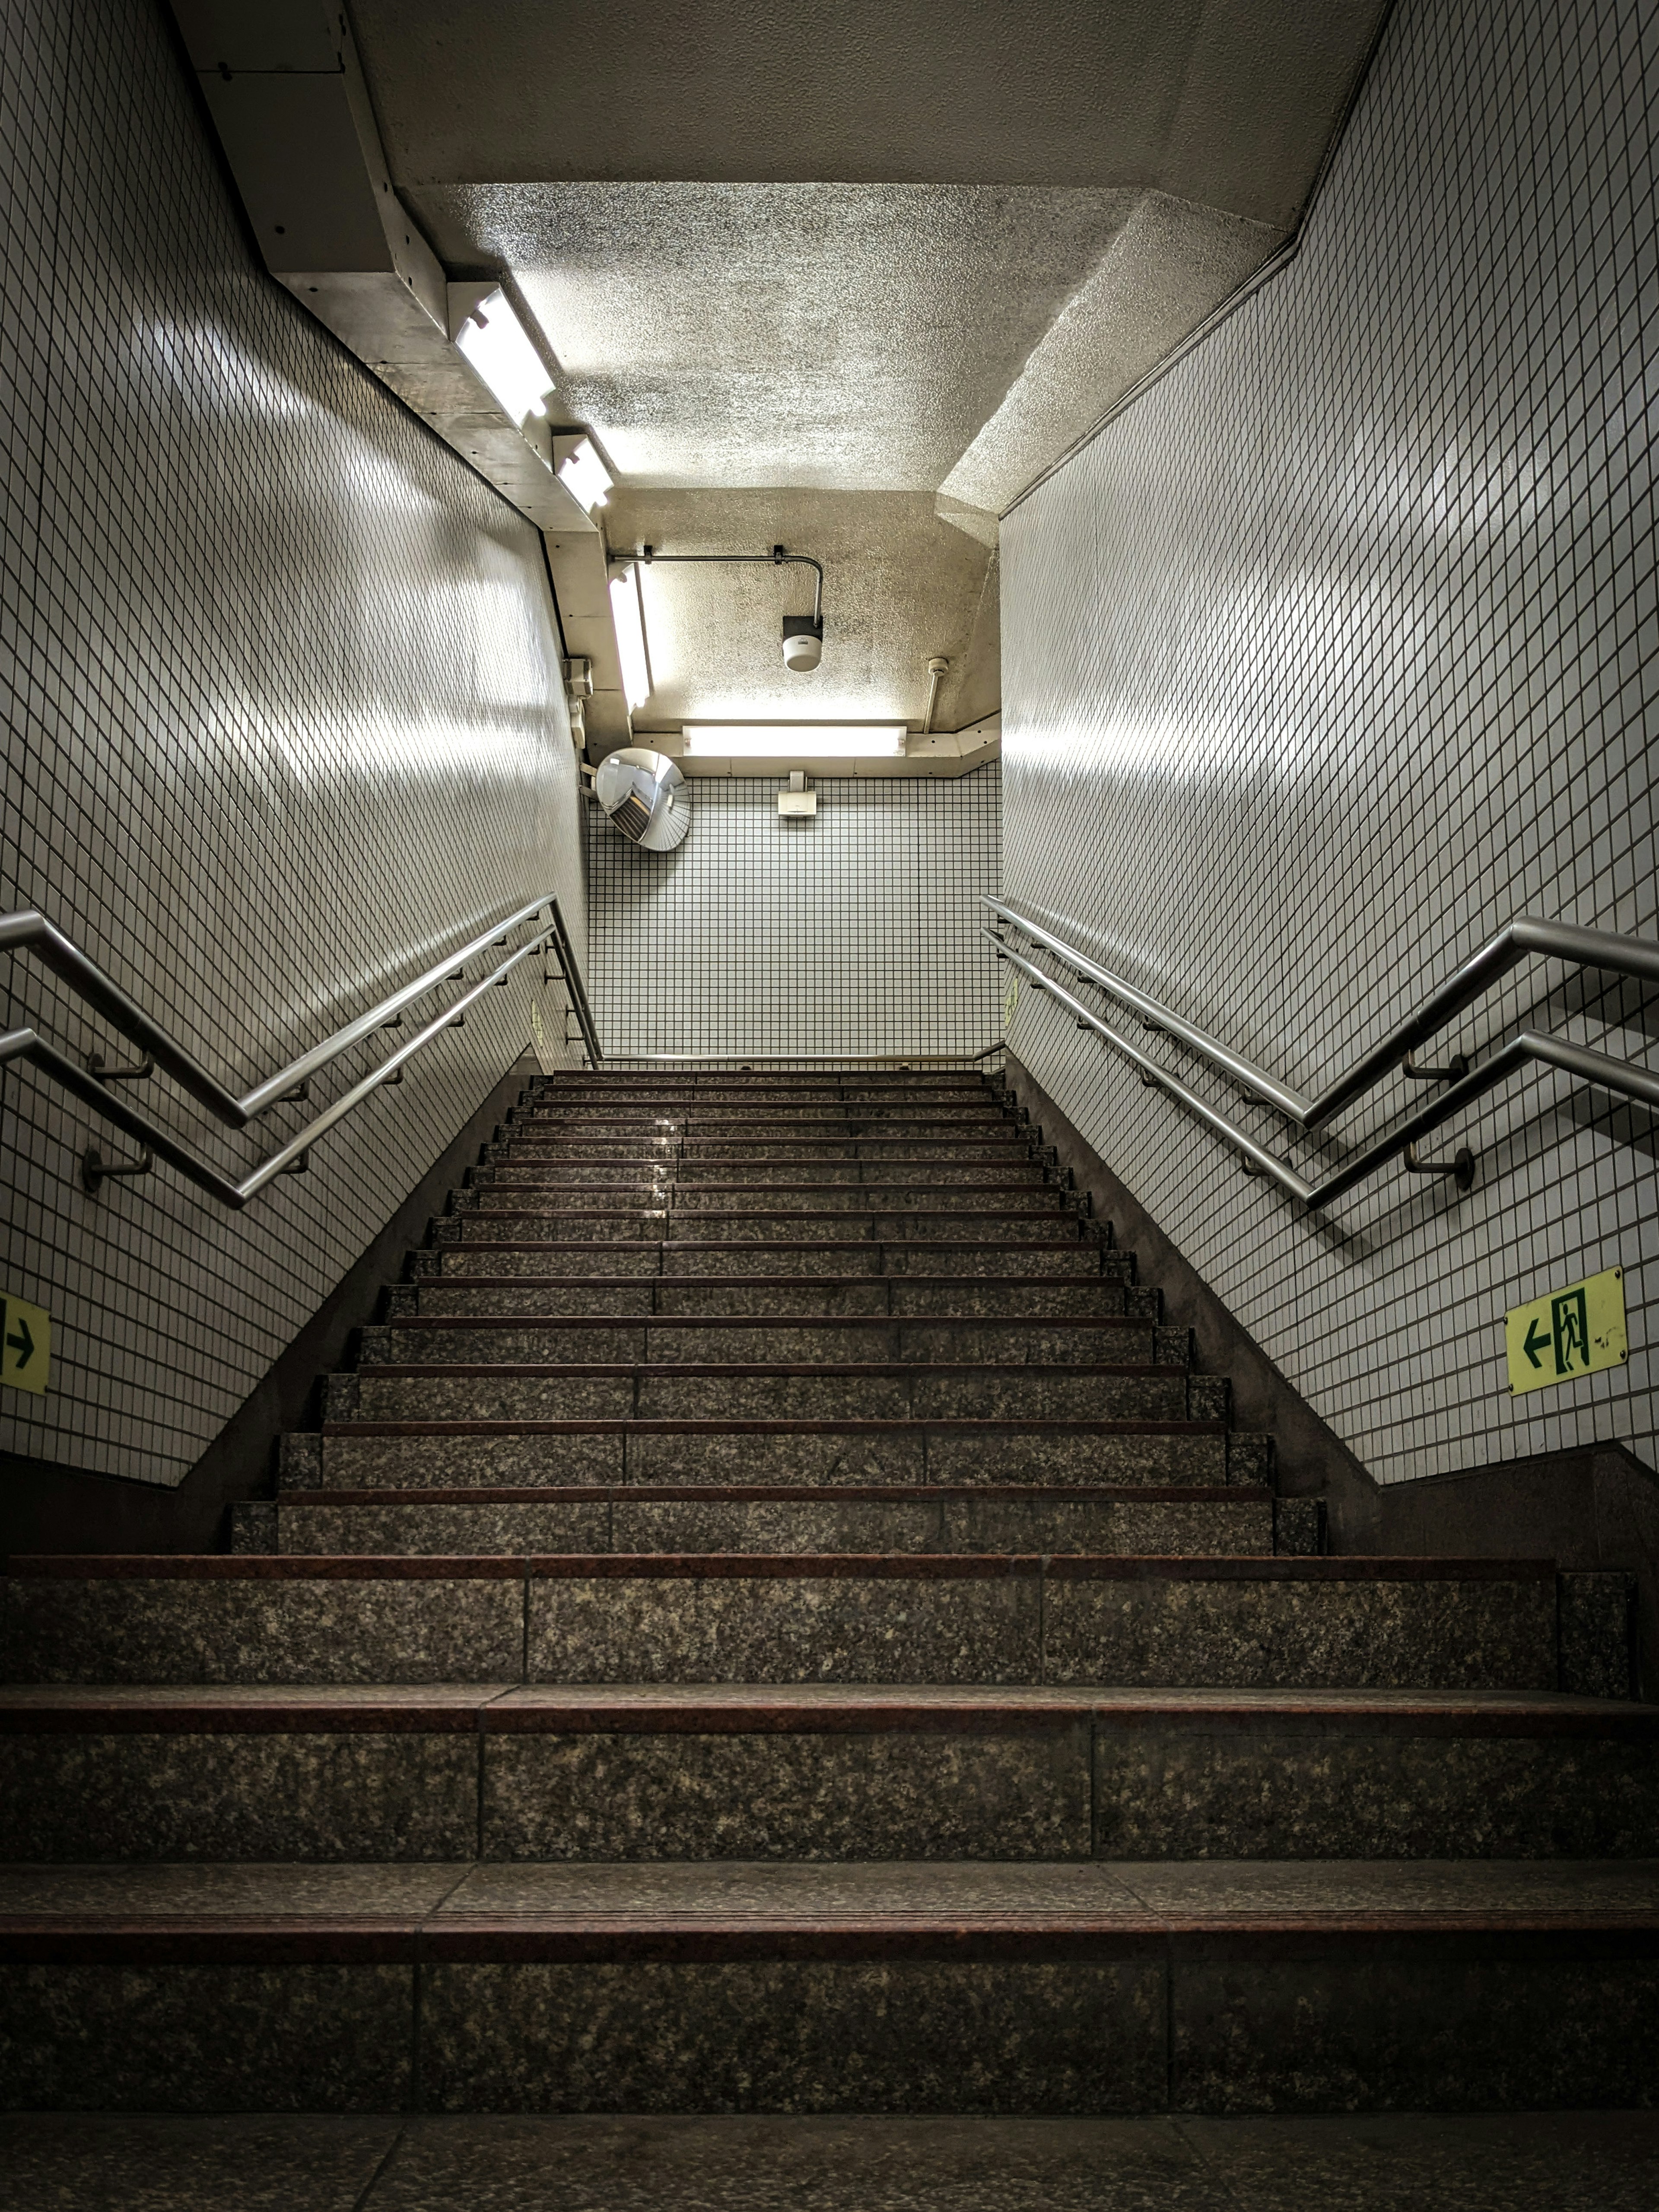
{"x":283,"y":719}
{"x":1335,"y":652}
{"x":853,"y":932}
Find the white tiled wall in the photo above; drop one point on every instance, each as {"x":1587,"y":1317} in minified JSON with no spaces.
{"x":855,"y":932}
{"x":283,"y":720}
{"x":1336,"y":651}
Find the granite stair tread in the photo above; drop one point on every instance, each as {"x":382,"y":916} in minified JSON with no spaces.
{"x":519,"y":1707}
{"x":228,"y":1566}
{"x":1224,"y":1495}
{"x":681,"y":1369}
{"x":1074,"y":1256}
{"x":549,"y":1301}
{"x":743,"y":1904}
{"x":973,"y":1425}
{"x":886,"y":1334}
{"x":1245,"y":1620}
{"x":755,"y":1517}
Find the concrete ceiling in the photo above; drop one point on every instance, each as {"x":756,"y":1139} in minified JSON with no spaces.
{"x":899,"y":248}
{"x":1225,"y":102}
{"x":855,"y":336}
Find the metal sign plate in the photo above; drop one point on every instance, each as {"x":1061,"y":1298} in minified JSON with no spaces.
{"x":25,"y":1345}
{"x":1567,"y":1334}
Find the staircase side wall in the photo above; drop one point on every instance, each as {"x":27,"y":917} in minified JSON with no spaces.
{"x":283,"y":717}
{"x":1335,"y":652}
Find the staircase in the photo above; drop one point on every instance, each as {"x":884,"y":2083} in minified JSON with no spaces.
{"x":775,"y":1622}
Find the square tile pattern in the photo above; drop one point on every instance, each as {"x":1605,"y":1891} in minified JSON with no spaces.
{"x":1335,"y":652}
{"x":283,"y":718}
{"x":854,"y":932}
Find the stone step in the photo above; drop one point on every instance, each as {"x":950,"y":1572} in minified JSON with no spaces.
{"x":968,"y":1117}
{"x":788,"y":1081}
{"x":710,"y":1152}
{"x":787,"y":1117}
{"x":1040,"y":1298}
{"x":659,"y":1102}
{"x":504,"y":1217}
{"x":1011,"y":1194}
{"x":915,"y":1390}
{"x":430,"y":1340}
{"x":463,"y":1251}
{"x":741,"y":1169}
{"x":1236,"y":1623}
{"x":653,"y":1141}
{"x":1053,"y":1987}
{"x":818,"y":1773}
{"x":1173,"y":1522}
{"x":441,"y":1454}
{"x":822,"y":1209}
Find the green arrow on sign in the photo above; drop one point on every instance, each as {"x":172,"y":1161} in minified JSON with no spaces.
{"x":1531,"y":1350}
{"x":23,"y":1342}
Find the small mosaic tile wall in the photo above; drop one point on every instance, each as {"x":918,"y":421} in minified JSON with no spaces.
{"x":1335,"y":652}
{"x":283,"y":721}
{"x":854,"y":932}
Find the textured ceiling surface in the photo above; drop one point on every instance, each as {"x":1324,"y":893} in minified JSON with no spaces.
{"x":899,"y":586}
{"x":890,"y":252}
{"x":851,"y":335}
{"x":1226,"y":102}
{"x":1169,"y":267}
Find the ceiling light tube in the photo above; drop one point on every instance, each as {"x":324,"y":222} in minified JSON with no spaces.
{"x":794,"y":741}
{"x":493,"y":339}
{"x":577,"y":465}
{"x":630,"y":626}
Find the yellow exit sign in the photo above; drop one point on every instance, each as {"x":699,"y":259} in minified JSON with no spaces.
{"x":1568,"y":1332}
{"x":25,"y":1345}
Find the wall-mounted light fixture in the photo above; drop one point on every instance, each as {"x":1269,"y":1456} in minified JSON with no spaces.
{"x":802,"y":634}
{"x":629,"y":619}
{"x":493,"y":339}
{"x":577,"y":465}
{"x":794,"y":741}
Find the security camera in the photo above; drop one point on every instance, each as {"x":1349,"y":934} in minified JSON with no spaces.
{"x":803,"y":643}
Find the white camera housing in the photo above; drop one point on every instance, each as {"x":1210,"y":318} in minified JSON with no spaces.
{"x":803,"y":644}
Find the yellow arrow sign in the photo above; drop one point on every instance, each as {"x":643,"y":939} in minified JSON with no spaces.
{"x":25,"y":1345}
{"x":1568,"y":1332}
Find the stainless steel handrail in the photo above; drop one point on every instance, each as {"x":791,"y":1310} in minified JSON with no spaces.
{"x":571,"y":974}
{"x":29,"y":931}
{"x":1623,"y":1077}
{"x":124,"y":1013}
{"x":1521,"y":940}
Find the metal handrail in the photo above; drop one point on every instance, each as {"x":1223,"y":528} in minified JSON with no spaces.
{"x":33,"y":931}
{"x":1623,"y":1077}
{"x":29,"y":931}
{"x":1522,"y":940}
{"x":571,"y":976}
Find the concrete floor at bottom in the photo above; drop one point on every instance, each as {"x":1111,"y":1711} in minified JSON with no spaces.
{"x":1406,"y":2162}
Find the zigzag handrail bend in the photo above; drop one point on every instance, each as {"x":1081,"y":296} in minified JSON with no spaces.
{"x":29,"y":931}
{"x":1524,"y":938}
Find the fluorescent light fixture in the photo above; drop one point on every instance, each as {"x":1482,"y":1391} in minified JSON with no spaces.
{"x":794,"y":741}
{"x":631,"y":638}
{"x":578,"y":467}
{"x":493,"y":339}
